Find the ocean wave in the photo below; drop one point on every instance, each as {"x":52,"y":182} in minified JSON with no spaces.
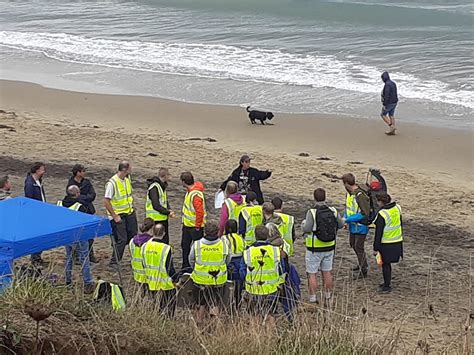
{"x":232,"y":63}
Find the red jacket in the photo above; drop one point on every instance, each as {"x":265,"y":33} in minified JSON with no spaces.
{"x":198,"y":203}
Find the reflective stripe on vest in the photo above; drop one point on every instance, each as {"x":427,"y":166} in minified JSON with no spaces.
{"x":253,"y":216}
{"x":312,"y":241}
{"x":74,"y":207}
{"x":392,"y":233}
{"x":137,"y":262}
{"x":118,"y":302}
{"x":236,"y":244}
{"x":122,"y":201}
{"x":210,"y":267}
{"x":286,"y":230}
{"x":262,"y":263}
{"x":234,"y":209}
{"x":189,"y":214}
{"x":154,"y":256}
{"x":150,"y":212}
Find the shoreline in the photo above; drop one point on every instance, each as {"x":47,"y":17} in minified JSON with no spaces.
{"x":441,"y":153}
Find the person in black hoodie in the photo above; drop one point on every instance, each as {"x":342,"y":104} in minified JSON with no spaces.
{"x":248,"y":178}
{"x":86,"y":198}
{"x":389,"y":103}
{"x":157,"y":203}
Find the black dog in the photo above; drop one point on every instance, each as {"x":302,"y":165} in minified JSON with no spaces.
{"x":259,"y":115}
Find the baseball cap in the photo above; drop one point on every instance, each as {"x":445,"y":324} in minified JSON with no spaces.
{"x":244,"y":157}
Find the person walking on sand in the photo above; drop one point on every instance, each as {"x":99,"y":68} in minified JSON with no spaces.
{"x":194,"y":216}
{"x":5,"y":187}
{"x":157,"y":204}
{"x":389,"y":103}
{"x":118,"y":202}
{"x":320,"y":230}
{"x":356,"y":216}
{"x":388,"y":239}
{"x":232,"y":206}
{"x":72,"y":201}
{"x":34,"y":189}
{"x":248,"y":178}
{"x":86,"y":197}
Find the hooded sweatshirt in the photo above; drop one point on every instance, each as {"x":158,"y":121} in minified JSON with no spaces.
{"x":237,"y":198}
{"x":141,"y":239}
{"x":389,"y":92}
{"x":198,"y":203}
{"x":155,"y":195}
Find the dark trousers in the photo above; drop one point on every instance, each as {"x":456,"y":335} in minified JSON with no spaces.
{"x":387,"y":274}
{"x":166,"y":237}
{"x":190,"y":234}
{"x":122,"y":233}
{"x":36,"y":257}
{"x":167,"y":301}
{"x":357,"y":242}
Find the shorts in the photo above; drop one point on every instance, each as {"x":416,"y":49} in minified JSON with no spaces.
{"x":388,"y":110}
{"x":210,"y":296}
{"x":319,"y":260}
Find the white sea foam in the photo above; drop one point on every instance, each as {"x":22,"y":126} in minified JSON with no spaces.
{"x":231,"y":62}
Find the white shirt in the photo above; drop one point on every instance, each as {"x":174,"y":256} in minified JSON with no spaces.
{"x":109,"y":190}
{"x":37,"y":182}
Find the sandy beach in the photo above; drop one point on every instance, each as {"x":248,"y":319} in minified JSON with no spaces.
{"x":429,"y":172}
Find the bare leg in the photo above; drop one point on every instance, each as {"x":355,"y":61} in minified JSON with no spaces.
{"x":392,"y":123}
{"x":312,"y":287}
{"x":201,"y":312}
{"x":327,"y":277}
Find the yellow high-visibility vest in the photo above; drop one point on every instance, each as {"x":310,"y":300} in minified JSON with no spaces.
{"x":122,"y":201}
{"x":263,"y":277}
{"x":210,"y":267}
{"x":286,"y":231}
{"x":154,"y":256}
{"x":150,"y":212}
{"x":74,"y":207}
{"x":189,"y":214}
{"x":137,"y":262}
{"x":392,"y":233}
{"x":253,"y":216}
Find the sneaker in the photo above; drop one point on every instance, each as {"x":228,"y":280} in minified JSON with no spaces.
{"x":385,"y":289}
{"x":313,"y":299}
{"x":89,"y":288}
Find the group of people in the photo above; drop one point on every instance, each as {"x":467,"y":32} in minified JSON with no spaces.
{"x":252,"y":244}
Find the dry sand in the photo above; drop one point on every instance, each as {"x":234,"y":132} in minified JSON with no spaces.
{"x":428,"y":170}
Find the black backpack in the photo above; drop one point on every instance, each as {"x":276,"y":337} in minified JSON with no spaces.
{"x":326,"y":224}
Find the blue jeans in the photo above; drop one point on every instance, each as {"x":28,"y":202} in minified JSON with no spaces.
{"x":388,"y":110}
{"x":82,"y":249}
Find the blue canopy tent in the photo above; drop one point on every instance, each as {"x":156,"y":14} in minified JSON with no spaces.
{"x":29,"y":226}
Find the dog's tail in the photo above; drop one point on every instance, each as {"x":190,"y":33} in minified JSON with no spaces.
{"x":248,"y":108}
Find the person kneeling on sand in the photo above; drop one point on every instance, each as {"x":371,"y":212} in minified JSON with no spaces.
{"x":161,"y":276}
{"x":209,"y":258}
{"x":135,"y":247}
{"x":262,"y":271}
{"x":82,"y":247}
{"x":320,"y":229}
{"x":388,"y":239}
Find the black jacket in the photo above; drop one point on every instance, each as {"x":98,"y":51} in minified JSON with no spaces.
{"x":254,"y":177}
{"x":389,"y":92}
{"x":87,"y":193}
{"x":391,"y":252}
{"x":32,"y":190}
{"x":154,"y":196}
{"x":68,"y":201}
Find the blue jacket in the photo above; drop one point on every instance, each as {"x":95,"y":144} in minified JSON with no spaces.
{"x":389,"y":92}
{"x":354,"y":226}
{"x":243,"y":266}
{"x":32,"y":190}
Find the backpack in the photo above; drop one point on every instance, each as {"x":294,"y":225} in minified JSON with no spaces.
{"x":326,"y":224}
{"x":372,"y":189}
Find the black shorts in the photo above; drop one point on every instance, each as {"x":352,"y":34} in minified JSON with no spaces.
{"x":210,"y":296}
